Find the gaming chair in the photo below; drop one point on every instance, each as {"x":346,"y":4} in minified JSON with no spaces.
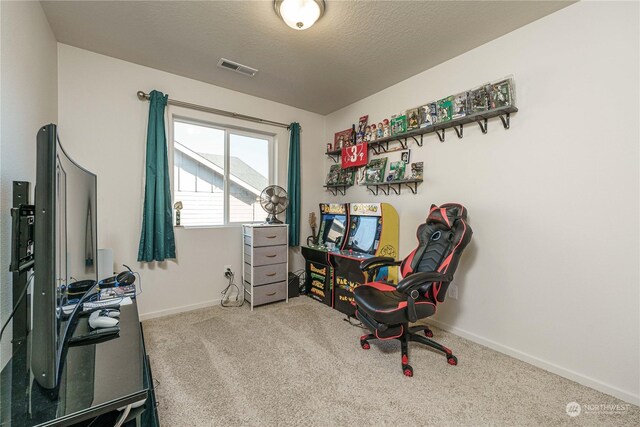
{"x":387,"y":309}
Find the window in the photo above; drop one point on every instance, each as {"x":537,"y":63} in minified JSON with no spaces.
{"x":218,"y":173}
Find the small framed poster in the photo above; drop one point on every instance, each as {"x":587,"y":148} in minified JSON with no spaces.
{"x":342,"y":139}
{"x":354,"y":155}
{"x":406,"y":156}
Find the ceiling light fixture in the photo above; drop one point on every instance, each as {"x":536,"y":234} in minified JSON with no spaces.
{"x":299,"y":14}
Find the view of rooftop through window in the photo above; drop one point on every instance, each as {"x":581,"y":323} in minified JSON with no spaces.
{"x":200,"y":175}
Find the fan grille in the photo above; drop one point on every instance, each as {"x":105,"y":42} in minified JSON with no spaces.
{"x":274,"y":199}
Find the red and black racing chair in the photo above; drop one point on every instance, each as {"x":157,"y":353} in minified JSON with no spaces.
{"x":387,"y":309}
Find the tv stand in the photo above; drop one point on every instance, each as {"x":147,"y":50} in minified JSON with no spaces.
{"x":96,"y":380}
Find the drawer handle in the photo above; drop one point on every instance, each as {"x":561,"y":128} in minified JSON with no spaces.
{"x":271,"y":237}
{"x":271,"y":256}
{"x":272,"y":294}
{"x":271,"y":274}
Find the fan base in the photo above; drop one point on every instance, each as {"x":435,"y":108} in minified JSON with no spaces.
{"x":272,"y":219}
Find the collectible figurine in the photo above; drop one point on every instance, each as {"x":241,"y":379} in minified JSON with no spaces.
{"x":374,"y":132}
{"x":385,"y":128}
{"x":380,"y":130}
{"x":367,"y":134}
{"x":413,"y":120}
{"x":445,"y":109}
{"x":501,"y":94}
{"x":460,"y":105}
{"x":178,"y":207}
{"x":398,"y":125}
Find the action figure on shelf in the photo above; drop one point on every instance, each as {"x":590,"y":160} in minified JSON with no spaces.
{"x":386,"y":131}
{"x":380,"y":131}
{"x":367,"y":134}
{"x":374,"y":132}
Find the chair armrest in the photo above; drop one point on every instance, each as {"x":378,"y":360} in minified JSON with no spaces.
{"x":377,"y":262}
{"x":419,"y":279}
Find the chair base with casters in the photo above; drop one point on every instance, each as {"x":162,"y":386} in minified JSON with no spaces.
{"x":407,"y":334}
{"x":387,"y":310}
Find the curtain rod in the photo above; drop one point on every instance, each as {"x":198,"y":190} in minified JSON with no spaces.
{"x":145,"y":97}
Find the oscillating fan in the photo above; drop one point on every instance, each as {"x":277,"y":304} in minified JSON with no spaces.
{"x":274,"y":200}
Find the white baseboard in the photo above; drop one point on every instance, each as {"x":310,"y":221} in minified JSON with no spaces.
{"x":176,"y":310}
{"x":543,"y":364}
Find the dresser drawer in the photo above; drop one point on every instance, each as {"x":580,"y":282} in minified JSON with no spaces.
{"x":268,"y":255}
{"x":267,"y":236}
{"x":269,"y":293}
{"x":266,"y":274}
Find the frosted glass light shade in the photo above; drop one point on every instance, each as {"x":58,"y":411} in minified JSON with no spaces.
{"x":299,"y":14}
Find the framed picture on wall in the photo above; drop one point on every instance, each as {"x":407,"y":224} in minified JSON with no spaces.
{"x":342,"y":139}
{"x":405,"y":156}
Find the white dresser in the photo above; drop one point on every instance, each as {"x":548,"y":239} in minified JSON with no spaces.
{"x":265,"y":262}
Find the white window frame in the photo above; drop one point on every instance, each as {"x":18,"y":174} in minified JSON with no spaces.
{"x":226,"y":181}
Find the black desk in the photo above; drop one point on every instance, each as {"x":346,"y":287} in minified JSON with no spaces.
{"x":96,"y":379}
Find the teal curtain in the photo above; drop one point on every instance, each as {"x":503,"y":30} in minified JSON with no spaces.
{"x":293,"y":185}
{"x":157,"y":242}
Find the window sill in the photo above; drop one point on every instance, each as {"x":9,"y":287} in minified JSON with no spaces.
{"x":200,"y":227}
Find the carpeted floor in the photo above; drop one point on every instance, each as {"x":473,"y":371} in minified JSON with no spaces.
{"x":300,"y":364}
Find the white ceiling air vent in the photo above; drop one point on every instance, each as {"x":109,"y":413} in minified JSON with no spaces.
{"x":238,"y":68}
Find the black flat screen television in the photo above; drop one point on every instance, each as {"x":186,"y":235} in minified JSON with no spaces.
{"x":65,"y":250}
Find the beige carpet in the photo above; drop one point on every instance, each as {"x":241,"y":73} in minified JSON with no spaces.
{"x":300,"y":364}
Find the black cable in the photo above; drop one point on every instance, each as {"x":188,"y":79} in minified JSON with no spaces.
{"x":231,"y":277}
{"x":301,"y":275}
{"x":358,"y":325}
{"x":24,"y":292}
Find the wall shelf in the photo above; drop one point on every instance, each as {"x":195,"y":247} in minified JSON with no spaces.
{"x":337,"y":188}
{"x":334,"y":155}
{"x":395,"y":186}
{"x":382,"y":145}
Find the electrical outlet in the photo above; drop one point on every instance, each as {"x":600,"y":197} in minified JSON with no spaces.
{"x":226,"y":268}
{"x":452,"y":292}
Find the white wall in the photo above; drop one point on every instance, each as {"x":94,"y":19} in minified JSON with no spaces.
{"x":28,"y":100}
{"x":552,"y":273}
{"x":103,"y":126}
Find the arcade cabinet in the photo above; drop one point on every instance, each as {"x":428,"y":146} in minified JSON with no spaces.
{"x":373,"y":231}
{"x":334,"y":222}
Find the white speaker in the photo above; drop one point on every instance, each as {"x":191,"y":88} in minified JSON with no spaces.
{"x":105,"y":263}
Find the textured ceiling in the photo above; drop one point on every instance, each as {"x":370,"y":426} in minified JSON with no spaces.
{"x":355,"y":50}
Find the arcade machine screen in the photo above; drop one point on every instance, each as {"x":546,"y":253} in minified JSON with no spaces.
{"x":364,"y":235}
{"x":332,"y":229}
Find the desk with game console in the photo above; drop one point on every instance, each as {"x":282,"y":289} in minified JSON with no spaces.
{"x":96,"y":380}
{"x":349,"y":233}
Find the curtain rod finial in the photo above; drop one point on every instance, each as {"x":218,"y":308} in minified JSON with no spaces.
{"x":141,"y":95}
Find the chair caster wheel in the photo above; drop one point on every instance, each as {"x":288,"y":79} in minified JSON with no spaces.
{"x":428,"y":333}
{"x":365,"y":345}
{"x":407,"y":370}
{"x":452,"y":360}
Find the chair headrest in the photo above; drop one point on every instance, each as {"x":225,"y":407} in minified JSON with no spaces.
{"x":446,"y":214}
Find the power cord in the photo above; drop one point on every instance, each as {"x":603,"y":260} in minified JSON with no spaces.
{"x":22,"y":294}
{"x":358,"y":325}
{"x":301,"y":275}
{"x":135,"y":273}
{"x":227,"y":292}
